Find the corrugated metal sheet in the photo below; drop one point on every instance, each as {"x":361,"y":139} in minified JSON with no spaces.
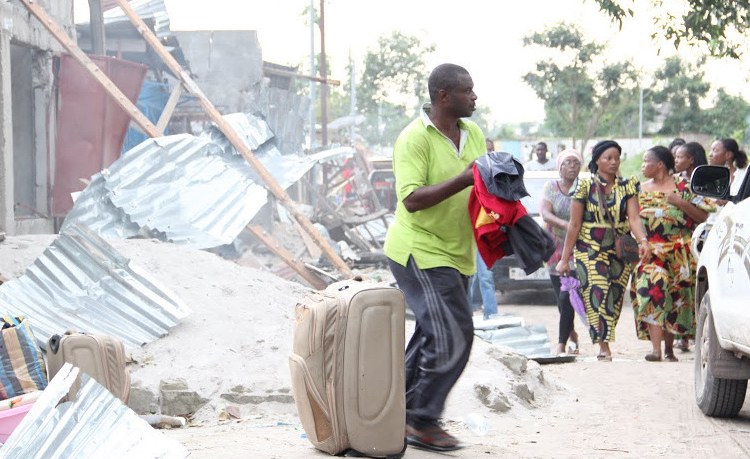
{"x":531,"y":341}
{"x":94,"y":425}
{"x":287,"y":114}
{"x":195,"y":191}
{"x":82,"y":283}
{"x":180,"y":187}
{"x":154,"y":10}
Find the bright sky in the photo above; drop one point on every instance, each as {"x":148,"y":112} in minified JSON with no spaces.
{"x":483,"y":36}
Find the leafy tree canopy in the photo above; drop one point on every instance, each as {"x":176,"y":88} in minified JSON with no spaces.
{"x":678,"y":90}
{"x":717,"y":24}
{"x":578,"y":88}
{"x":392,"y":84}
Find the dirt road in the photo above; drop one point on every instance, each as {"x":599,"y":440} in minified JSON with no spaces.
{"x":625,"y":408}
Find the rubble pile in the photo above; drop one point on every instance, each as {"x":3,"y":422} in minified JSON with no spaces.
{"x":228,"y":359}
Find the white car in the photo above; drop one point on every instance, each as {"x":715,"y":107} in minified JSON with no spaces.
{"x":722,"y":300}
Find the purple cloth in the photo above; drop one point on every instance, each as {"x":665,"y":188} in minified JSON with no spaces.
{"x":571,"y":285}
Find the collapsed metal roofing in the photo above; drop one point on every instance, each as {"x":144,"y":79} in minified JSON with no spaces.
{"x":94,"y":425}
{"x":82,"y":283}
{"x":531,"y":341}
{"x":194,"y":191}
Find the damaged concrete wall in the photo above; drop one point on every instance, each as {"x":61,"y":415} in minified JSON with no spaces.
{"x":27,"y":113}
{"x":227,"y":66}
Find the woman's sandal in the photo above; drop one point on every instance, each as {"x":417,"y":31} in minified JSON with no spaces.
{"x":653,"y":357}
{"x":669,"y":357}
{"x":604,"y":358}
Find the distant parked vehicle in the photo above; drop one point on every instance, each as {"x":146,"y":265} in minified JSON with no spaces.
{"x":722,"y":299}
{"x":383,"y":181}
{"x":508,"y":276}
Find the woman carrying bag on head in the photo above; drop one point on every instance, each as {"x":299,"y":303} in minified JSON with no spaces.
{"x":602,"y":206}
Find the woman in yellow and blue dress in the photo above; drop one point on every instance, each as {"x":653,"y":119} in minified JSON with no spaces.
{"x":662,"y":287}
{"x":602,"y":274}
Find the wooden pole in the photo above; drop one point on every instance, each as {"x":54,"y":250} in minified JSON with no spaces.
{"x":111,"y":89}
{"x":166,"y":114}
{"x":323,"y":76}
{"x":232,"y":136}
{"x":273,"y":71}
{"x":96,"y":24}
{"x":287,"y":256}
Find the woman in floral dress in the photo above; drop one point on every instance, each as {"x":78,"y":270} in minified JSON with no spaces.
{"x":603,"y":276}
{"x":662,"y":287}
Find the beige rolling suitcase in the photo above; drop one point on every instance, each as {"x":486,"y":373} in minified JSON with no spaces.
{"x":100,"y":356}
{"x":347,"y":368}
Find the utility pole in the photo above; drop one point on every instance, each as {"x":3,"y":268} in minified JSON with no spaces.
{"x":353,"y":100}
{"x":96,"y":24}
{"x":324,"y":76}
{"x":313,"y":118}
{"x":640,"y":119}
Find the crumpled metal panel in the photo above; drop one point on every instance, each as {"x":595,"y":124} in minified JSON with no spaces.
{"x":94,"y":425}
{"x":82,"y":283}
{"x":147,"y":10}
{"x":194,"y":191}
{"x":180,"y":187}
{"x":253,"y":131}
{"x":94,"y":209}
{"x":531,"y":341}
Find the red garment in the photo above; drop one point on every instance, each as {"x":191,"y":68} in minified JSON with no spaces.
{"x":489,"y":214}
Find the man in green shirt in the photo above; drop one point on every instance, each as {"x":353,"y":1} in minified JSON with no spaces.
{"x":430,"y":247}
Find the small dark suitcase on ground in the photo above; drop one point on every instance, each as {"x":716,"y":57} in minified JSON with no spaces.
{"x":347,"y":368}
{"x":100,"y":356}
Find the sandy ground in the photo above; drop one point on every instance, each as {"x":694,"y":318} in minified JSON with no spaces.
{"x":239,"y":335}
{"x":625,"y":408}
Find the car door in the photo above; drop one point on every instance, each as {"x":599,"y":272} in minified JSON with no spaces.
{"x":730,"y":288}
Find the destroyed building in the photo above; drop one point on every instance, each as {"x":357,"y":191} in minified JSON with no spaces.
{"x":28,"y":114}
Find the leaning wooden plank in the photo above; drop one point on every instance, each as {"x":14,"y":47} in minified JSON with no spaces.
{"x":287,"y":256}
{"x":111,"y":89}
{"x":166,"y":114}
{"x":233,"y":138}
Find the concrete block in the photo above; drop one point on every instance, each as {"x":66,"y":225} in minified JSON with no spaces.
{"x":240,"y":396}
{"x":176,"y":399}
{"x":492,"y":398}
{"x":524,"y":392}
{"x":515,"y":362}
{"x":143,"y":400}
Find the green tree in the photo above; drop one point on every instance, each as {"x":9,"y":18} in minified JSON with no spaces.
{"x":392,"y":83}
{"x":576,"y":96}
{"x":728,"y":117}
{"x":719,"y":25}
{"x":678,"y":90}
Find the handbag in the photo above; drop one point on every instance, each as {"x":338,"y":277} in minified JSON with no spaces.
{"x":626,"y":247}
{"x":22,"y":367}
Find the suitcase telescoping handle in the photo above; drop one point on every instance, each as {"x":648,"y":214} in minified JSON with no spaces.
{"x":54,"y":343}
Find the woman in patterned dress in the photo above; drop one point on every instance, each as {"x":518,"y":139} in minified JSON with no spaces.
{"x":687,"y":157}
{"x":602,"y":274}
{"x":662,"y":287}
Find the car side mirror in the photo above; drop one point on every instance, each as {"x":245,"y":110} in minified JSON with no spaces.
{"x":710,"y":181}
